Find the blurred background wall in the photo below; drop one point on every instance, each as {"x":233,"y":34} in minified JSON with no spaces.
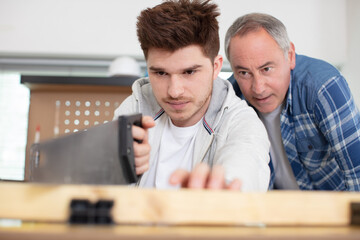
{"x":84,"y":36}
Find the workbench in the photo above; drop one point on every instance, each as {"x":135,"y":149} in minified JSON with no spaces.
{"x":43,"y":211}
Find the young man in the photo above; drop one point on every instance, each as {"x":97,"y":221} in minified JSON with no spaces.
{"x":304,"y":103}
{"x":198,"y":118}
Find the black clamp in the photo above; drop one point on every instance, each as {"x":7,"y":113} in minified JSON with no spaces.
{"x":355,"y":213}
{"x":82,"y":211}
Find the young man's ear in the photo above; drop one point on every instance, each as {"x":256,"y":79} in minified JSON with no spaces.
{"x":218,"y":62}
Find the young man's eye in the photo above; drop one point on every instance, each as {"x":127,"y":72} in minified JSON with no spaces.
{"x":190,"y":72}
{"x":161,"y":73}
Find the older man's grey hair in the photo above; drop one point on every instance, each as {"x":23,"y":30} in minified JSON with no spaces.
{"x":255,"y":21}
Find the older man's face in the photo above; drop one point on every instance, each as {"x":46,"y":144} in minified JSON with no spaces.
{"x":261,"y":69}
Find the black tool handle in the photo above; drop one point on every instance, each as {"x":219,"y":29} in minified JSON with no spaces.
{"x":126,"y":149}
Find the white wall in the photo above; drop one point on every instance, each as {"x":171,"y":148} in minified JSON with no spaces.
{"x":75,"y":28}
{"x":105,"y":29}
{"x":351,"y":69}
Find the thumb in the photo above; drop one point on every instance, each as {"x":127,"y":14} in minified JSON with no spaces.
{"x":147,"y":122}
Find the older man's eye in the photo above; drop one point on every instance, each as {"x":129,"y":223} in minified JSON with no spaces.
{"x":267,"y":69}
{"x":244,"y":74}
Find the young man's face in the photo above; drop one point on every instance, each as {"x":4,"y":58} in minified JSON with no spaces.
{"x":261,"y":69}
{"x":182,"y":82}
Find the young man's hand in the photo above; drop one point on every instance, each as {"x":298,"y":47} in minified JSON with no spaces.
{"x":203,"y":177}
{"x":142,"y":150}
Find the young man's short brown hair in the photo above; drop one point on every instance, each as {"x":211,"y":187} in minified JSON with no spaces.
{"x":173,"y":24}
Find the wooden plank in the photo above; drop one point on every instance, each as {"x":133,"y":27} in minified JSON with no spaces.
{"x":50,"y":203}
{"x":45,"y":231}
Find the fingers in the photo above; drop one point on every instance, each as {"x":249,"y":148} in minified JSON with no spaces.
{"x":217,"y":178}
{"x":142,"y":148}
{"x":199,"y":176}
{"x":179,"y":177}
{"x":147,"y":122}
{"x":141,"y":157}
{"x":141,"y":153}
{"x":202,"y":177}
{"x":196,"y":179}
{"x":142,"y":168}
{"x":141,"y":133}
{"x":138,"y":133}
{"x":234,"y":185}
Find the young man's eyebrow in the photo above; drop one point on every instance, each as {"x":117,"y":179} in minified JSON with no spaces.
{"x":156,"y":69}
{"x":192,"y":67}
{"x":160,"y":69}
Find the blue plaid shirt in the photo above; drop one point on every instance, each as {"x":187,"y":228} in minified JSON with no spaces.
{"x":320,"y":128}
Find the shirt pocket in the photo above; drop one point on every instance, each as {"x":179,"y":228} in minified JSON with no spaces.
{"x":313,"y":151}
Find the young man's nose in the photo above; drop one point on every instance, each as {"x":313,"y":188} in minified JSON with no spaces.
{"x":176,"y":88}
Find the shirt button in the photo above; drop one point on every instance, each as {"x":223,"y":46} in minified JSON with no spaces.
{"x":310,"y":147}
